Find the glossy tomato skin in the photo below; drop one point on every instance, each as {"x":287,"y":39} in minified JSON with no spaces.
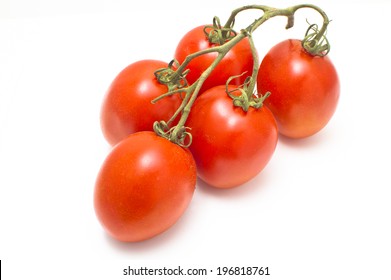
{"x":304,"y":88}
{"x":127,"y":106}
{"x":230,"y":146}
{"x":143,"y":187}
{"x":237,"y":61}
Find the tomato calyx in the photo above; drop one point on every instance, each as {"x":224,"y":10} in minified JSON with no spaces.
{"x":179,"y":136}
{"x":218,"y":34}
{"x":247,"y":97}
{"x":314,"y":42}
{"x":172,"y":78}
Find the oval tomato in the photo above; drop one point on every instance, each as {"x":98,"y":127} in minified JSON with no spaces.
{"x":127,"y":106}
{"x":230,"y":146}
{"x":143,"y":187}
{"x":237,"y":61}
{"x":304,"y":88}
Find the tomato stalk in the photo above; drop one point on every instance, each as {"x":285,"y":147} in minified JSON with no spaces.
{"x":248,"y":96}
{"x":314,"y":42}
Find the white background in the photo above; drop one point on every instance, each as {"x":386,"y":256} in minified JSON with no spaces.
{"x":320,"y":210}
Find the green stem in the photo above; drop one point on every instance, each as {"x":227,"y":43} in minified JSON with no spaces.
{"x":326,"y":20}
{"x":235,"y":12}
{"x":190,"y":57}
{"x":253,"y":82}
{"x":222,"y":51}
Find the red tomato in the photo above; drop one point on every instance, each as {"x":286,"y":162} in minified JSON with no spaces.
{"x":127,"y":106}
{"x":237,"y":61}
{"x":304,"y":88}
{"x":143,"y":187}
{"x":230,"y":146}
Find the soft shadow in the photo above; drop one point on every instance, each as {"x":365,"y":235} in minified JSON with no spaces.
{"x":249,"y":188}
{"x":311,"y":141}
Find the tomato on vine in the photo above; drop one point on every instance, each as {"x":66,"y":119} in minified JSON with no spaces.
{"x":230,"y":146}
{"x":226,"y":135}
{"x":127,"y":106}
{"x":143,"y":187}
{"x":238,"y":60}
{"x":304,"y":88}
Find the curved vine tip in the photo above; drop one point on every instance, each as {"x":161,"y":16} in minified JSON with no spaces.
{"x":313,"y":45}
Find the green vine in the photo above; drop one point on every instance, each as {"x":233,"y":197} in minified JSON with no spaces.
{"x":225,"y":38}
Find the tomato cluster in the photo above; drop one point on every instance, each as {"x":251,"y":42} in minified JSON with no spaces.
{"x":146,"y":182}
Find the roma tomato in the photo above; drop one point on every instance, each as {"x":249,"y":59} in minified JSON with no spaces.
{"x":230,"y":146}
{"x":127,"y":106}
{"x":237,"y":61}
{"x":304,"y":88}
{"x":143,"y":187}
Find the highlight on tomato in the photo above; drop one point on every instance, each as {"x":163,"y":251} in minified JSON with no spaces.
{"x":127,"y":106}
{"x":143,"y":187}
{"x":304,"y":88}
{"x":230,"y":146}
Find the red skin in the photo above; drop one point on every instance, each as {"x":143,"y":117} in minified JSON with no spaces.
{"x":127,"y":106}
{"x":143,"y":187}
